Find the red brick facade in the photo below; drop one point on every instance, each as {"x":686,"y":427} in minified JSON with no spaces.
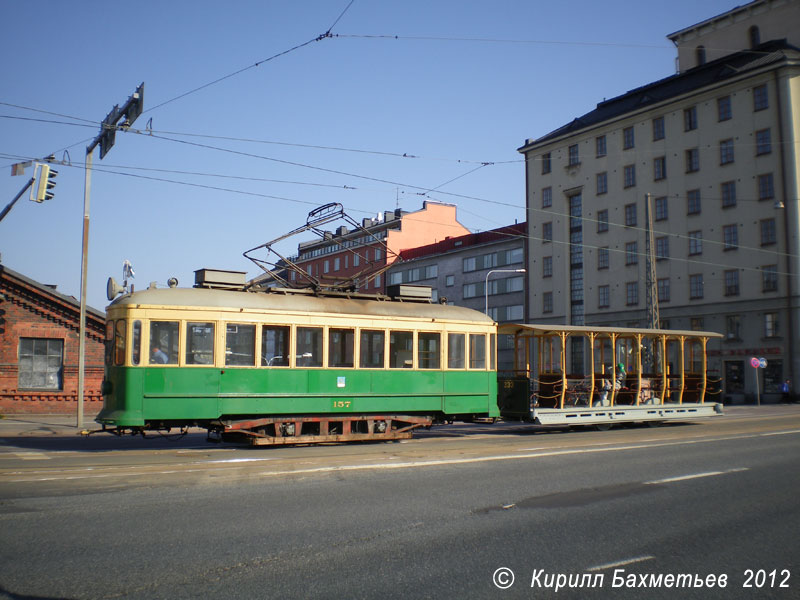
{"x":34,"y":311}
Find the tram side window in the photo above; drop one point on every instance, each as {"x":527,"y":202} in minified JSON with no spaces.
{"x":109,"y":341}
{"x":164,"y":336}
{"x":372,"y":348}
{"x":401,"y":349}
{"x":477,"y":351}
{"x":340,"y":347}
{"x":199,"y":343}
{"x":275,"y":346}
{"x":120,"y":340}
{"x":309,"y":347}
{"x":455,"y":350}
{"x":136,"y":342}
{"x":240,"y":345}
{"x":492,"y":352}
{"x":428,"y":350}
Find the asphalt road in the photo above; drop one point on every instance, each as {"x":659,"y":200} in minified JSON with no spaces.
{"x":437,"y":516}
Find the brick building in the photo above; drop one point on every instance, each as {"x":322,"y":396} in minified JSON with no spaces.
{"x":344,"y":254}
{"x":39,"y":329}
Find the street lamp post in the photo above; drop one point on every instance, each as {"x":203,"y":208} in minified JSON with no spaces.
{"x":486,"y":284}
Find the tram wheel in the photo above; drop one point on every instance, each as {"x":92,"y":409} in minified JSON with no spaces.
{"x":603,"y":426}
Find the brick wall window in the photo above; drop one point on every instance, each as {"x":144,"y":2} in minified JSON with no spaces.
{"x":41,"y":363}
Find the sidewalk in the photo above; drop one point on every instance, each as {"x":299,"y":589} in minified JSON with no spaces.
{"x":42,"y":425}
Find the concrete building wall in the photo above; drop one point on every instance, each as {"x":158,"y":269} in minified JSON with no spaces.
{"x":731,"y":31}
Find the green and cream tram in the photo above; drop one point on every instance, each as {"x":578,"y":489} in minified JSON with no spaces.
{"x":288,"y":367}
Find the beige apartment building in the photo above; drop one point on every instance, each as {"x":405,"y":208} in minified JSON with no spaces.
{"x":713,"y":153}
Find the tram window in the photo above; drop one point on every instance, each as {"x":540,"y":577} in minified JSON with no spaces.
{"x":136,"y":342}
{"x":492,"y":351}
{"x":372,"y":348}
{"x":109,"y":341}
{"x":340,"y":347}
{"x":309,"y":347}
{"x":199,"y":343}
{"x":274,"y":346}
{"x":428,"y":350}
{"x":401,"y":349}
{"x":240,"y":345}
{"x":455,"y":350}
{"x":477,"y":351}
{"x":164,"y":342}
{"x":120,"y":339}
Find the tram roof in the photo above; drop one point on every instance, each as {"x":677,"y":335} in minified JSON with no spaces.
{"x":533,"y":329}
{"x":200,"y":298}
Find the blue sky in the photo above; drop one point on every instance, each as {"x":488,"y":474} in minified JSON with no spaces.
{"x":242,"y":161}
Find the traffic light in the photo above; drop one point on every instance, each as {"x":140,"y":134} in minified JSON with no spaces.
{"x":45,"y":184}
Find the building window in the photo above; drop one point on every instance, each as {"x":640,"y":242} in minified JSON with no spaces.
{"x":724,"y":108}
{"x":630,"y":215}
{"x":547,"y":197}
{"x":768,"y":236}
{"x":602,"y":183}
{"x":603,"y":296}
{"x":733,"y":327}
{"x":755,"y":37}
{"x":547,"y":232}
{"x":732,"y":282}
{"x":547,"y":302}
{"x":693,"y":202}
{"x":726,"y":152}
{"x":695,"y":243}
{"x":766,"y":189}
{"x":663,"y":290}
{"x":696,"y":286}
{"x":602,"y":258}
{"x":337,"y":263}
{"x":449,"y":280}
{"x":632,"y":293}
{"x":769,"y":278}
{"x":547,"y":266}
{"x":697,"y":324}
{"x":763,"y":142}
{"x":658,"y":128}
{"x":396,"y":278}
{"x":728,"y":191}
{"x":662,"y":212}
{"x":700,"y":55}
{"x":690,"y":119}
{"x":730,"y":237}
{"x":546,"y":167}
{"x":662,"y":248}
{"x":602,"y":220}
{"x":326,"y":266}
{"x":41,"y":363}
{"x":771,"y":325}
{"x":574,"y":156}
{"x":760,"y":97}
{"x":627,"y":138}
{"x":631,"y":253}
{"x":692,"y":160}
{"x":659,"y":168}
{"x":600,"y":145}
{"x":630,"y":176}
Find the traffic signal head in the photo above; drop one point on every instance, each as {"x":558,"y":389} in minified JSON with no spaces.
{"x":45,"y":184}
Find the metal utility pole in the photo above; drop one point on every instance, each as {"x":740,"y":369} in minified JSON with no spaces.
{"x":653,"y":319}
{"x":11,"y":204}
{"x":105,"y":139}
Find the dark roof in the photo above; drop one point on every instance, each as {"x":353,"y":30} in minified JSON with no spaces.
{"x":463,"y":241}
{"x":713,"y":72}
{"x":50,"y":293}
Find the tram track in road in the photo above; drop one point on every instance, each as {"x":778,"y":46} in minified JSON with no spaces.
{"x":198,"y":466}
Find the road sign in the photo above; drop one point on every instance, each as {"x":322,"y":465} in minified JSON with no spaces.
{"x":754,"y":362}
{"x":762,"y":362}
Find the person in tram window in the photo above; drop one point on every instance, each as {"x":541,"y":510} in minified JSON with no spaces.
{"x":159,"y":357}
{"x":605,"y":387}
{"x":620,"y":377}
